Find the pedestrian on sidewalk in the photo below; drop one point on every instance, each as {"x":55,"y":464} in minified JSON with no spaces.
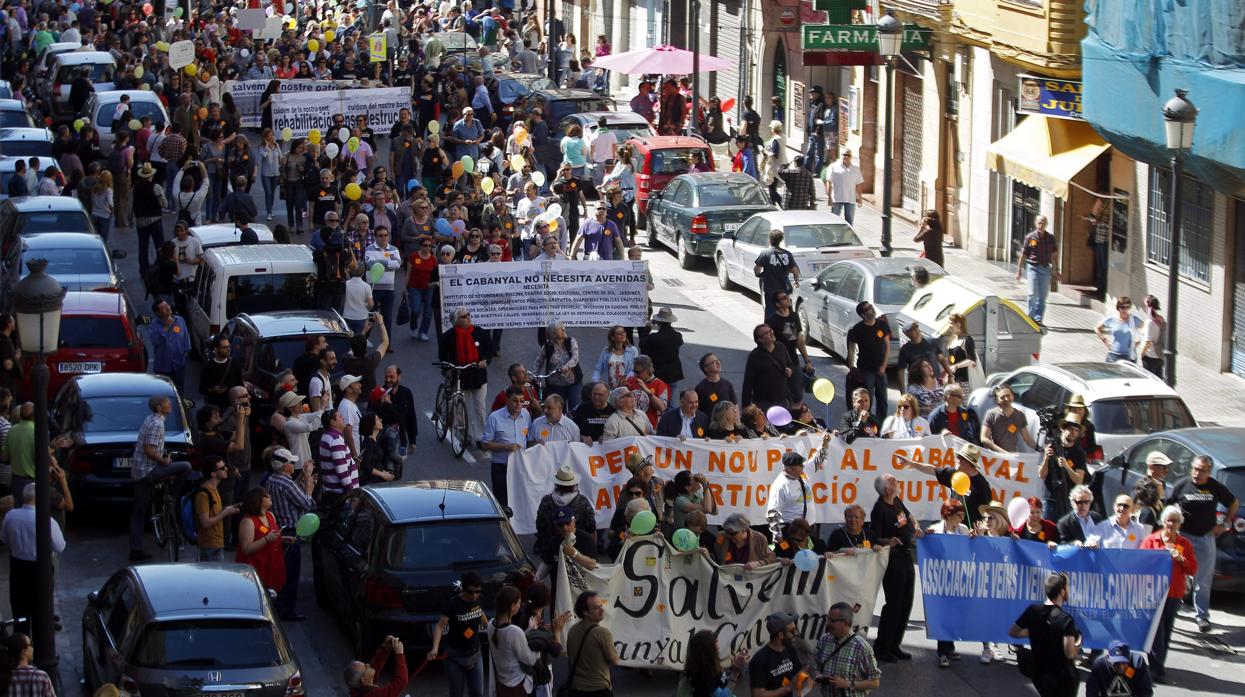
{"x":1153,"y":332}
{"x":1037,"y":260}
{"x":844,"y":185}
{"x":1121,"y":332}
{"x":800,"y":186}
{"x":930,"y":237}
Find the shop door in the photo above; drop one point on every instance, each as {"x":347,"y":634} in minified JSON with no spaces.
{"x":727,"y":30}
{"x":1026,"y":207}
{"x":1238,"y":292}
{"x":911,"y":146}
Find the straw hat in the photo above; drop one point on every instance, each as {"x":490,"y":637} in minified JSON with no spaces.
{"x":994,"y":506}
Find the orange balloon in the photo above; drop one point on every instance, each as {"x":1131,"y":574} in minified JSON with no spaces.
{"x":457,"y":169}
{"x":203,"y":112}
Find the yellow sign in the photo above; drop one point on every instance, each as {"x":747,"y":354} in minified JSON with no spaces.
{"x":377,"y":48}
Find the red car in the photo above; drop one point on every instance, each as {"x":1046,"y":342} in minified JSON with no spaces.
{"x":658,"y":159}
{"x":99,"y":334}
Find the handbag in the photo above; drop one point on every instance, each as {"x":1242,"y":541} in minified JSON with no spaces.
{"x":565,"y":689}
{"x":404,"y":311}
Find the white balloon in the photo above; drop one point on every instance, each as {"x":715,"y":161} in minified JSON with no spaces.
{"x":555,"y":210}
{"x":244,"y":53}
{"x":331,"y":150}
{"x":343,"y":135}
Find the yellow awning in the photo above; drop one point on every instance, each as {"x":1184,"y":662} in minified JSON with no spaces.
{"x":1045,"y":152}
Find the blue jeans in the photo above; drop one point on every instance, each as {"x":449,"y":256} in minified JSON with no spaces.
{"x":847,"y":210}
{"x":211,"y":554}
{"x":1204,"y":549}
{"x":270,"y":192}
{"x":465,"y":680}
{"x":420,"y":303}
{"x":103,"y":226}
{"x":287,"y":596}
{"x":569,"y":393}
{"x":142,"y":498}
{"x":384,"y":305}
{"x":1039,"y":288}
{"x":815,"y":153}
{"x":356,"y":325}
{"x":876,"y":384}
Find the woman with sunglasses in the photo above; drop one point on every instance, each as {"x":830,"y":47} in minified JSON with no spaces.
{"x":474,"y":251}
{"x":907,"y":421}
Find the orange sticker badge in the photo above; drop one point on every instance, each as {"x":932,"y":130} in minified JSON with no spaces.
{"x":177,"y":329}
{"x":880,"y":334}
{"x":1011,"y":428}
{"x":700,"y":431}
{"x":713,"y":397}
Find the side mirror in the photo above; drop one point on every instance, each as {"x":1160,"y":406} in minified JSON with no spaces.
{"x":728,"y":235}
{"x":117,"y":254}
{"x":1117,"y":461}
{"x":508,"y":511}
{"x":815,"y":283}
{"x":92,"y":598}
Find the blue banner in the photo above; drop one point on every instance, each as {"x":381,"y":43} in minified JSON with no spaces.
{"x":974,"y":588}
{"x":1047,"y":96}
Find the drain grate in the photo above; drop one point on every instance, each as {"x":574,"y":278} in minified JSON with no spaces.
{"x":673,"y":282}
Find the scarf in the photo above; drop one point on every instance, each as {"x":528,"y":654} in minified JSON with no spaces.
{"x":466,"y":346}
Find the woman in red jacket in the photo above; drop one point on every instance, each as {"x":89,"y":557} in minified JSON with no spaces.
{"x":1184,"y":563}
{"x":259,"y":539}
{"x":361,"y":677}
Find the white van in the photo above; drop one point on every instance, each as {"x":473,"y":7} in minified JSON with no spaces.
{"x":101,"y":107}
{"x":251,"y":279}
{"x":65,"y":67}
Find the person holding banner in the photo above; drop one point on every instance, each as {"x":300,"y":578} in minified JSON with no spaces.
{"x":893,"y":524}
{"x":951,"y":523}
{"x":740,"y":544}
{"x":844,"y":663}
{"x":1184,"y":564}
{"x":852,"y":536}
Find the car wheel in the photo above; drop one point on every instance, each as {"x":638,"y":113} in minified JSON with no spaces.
{"x":724,"y":276}
{"x":90,"y":680}
{"x":687,"y":260}
{"x":801,"y":313}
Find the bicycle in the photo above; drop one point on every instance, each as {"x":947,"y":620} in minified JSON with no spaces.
{"x":166,"y":522}
{"x":449,"y":410}
{"x":540,"y":384}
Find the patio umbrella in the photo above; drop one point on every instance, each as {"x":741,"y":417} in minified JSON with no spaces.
{"x":663,"y":60}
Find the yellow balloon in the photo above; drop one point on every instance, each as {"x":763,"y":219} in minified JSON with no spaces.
{"x":314,"y":136}
{"x":487,"y":185}
{"x":313,"y":45}
{"x":329,"y":36}
{"x":434,"y":127}
{"x":960,"y":483}
{"x":138,"y":72}
{"x":353,"y":192}
{"x":553,"y":225}
{"x":517,"y":162}
{"x":162,"y":46}
{"x":191,"y":70}
{"x":287,"y":133}
{"x":823,"y":390}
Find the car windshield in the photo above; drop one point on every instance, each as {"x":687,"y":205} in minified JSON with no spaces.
{"x":820,"y":235}
{"x":69,"y":261}
{"x":894,"y":288}
{"x":565,"y":107}
{"x":100,"y":72}
{"x":93,"y":332}
{"x":211,"y":644}
{"x":53,"y":221}
{"x":15,"y":119}
{"x":674,"y":160}
{"x":26,"y":148}
{"x":1140,"y":415}
{"x":741,"y":193}
{"x":120,"y":414}
{"x":276,"y":355}
{"x":268,"y":292}
{"x":1234,"y":479}
{"x":137,"y":111}
{"x":454,"y":544}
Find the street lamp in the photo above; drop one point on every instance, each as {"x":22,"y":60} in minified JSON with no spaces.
{"x":1179,"y":116}
{"x":890,"y":41}
{"x":37,"y":301}
{"x":693,"y":128}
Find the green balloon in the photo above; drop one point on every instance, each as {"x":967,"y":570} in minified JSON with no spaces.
{"x":643,"y":523}
{"x":469,"y":164}
{"x":177,"y":12}
{"x":376,"y":272}
{"x":307,"y":525}
{"x":685,"y":540}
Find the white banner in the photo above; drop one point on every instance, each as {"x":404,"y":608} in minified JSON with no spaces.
{"x":301,"y":112}
{"x":656,"y":597}
{"x":247,"y":93}
{"x":512,"y":294}
{"x":740,"y":474}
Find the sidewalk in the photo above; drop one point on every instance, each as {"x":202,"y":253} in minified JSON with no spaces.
{"x":1213,"y":397}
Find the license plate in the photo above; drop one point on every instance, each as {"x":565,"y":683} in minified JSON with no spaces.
{"x":819,"y":266}
{"x":123,"y":463}
{"x":731,"y":227}
{"x":79,"y":368}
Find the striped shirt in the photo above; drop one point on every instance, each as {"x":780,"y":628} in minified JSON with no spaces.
{"x":338,"y":471}
{"x":289,"y":501}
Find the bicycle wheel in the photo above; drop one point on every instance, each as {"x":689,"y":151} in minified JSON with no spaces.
{"x":173,"y":533}
{"x":440,"y":408}
{"x":458,"y":425}
{"x":157,"y":515}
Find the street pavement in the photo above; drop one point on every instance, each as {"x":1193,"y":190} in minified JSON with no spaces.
{"x":710,"y":320}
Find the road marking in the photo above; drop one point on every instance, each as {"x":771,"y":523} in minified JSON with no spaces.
{"x":449,"y":438}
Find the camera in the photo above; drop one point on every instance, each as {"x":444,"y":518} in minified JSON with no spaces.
{"x":1048,"y":422}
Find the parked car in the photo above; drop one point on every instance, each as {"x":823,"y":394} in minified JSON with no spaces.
{"x":1223,"y":445}
{"x":54,"y":88}
{"x":8,"y":165}
{"x":26,"y":142}
{"x":227,"y":235}
{"x":695,"y":210}
{"x":101,"y":107}
{"x":180,"y":629}
{"x":14,"y":114}
{"x":826,"y":303}
{"x":77,"y":260}
{"x":27,"y":215}
{"x":268,"y":343}
{"x":45,"y":58}
{"x":815,"y":239}
{"x":624,"y":124}
{"x":558,"y":103}
{"x":99,"y":333}
{"x":103,"y":414}
{"x":505,"y":88}
{"x":1125,"y":402}
{"x":6,"y":89}
{"x":659,"y":159}
{"x":387,"y":559}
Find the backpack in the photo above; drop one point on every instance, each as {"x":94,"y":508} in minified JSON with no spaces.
{"x":189,"y":521}
{"x":183,"y":211}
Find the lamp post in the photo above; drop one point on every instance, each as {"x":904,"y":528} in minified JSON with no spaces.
{"x":890,"y":41}
{"x":1180,"y":116}
{"x":37,"y":301}
{"x":693,"y":128}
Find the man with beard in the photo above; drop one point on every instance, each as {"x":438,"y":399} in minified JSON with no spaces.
{"x":774,"y":667}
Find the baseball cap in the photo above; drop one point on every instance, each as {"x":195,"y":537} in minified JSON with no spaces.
{"x":1119,"y":652}
{"x":563,"y":515}
{"x":284,"y":455}
{"x":777,"y":622}
{"x":347,"y":381}
{"x":289,"y":400}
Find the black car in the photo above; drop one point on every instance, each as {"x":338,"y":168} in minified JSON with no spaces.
{"x":557,"y":104}
{"x":385,"y":561}
{"x":506,"y":88}
{"x":694,"y":210}
{"x":187,"y":629}
{"x":267,"y":344}
{"x":103,"y":413}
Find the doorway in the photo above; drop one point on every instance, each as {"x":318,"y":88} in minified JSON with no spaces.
{"x":1026,"y":207}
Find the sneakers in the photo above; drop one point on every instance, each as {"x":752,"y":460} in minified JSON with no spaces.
{"x":423,"y":336}
{"x":270,"y":217}
{"x":987,"y":656}
{"x":998,"y":653}
{"x":1203,"y":626}
{"x":944,"y":662}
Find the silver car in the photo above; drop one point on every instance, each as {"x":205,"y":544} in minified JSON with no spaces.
{"x":826,"y":303}
{"x":78,"y":260}
{"x":815,"y":239}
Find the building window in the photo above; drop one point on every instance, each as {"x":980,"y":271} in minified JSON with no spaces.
{"x":1195,"y":228}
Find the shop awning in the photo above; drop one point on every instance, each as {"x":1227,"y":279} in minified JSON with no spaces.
{"x":1045,"y":152}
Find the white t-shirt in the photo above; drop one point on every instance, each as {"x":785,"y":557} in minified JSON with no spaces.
{"x":189,"y":248}
{"x":358,"y":297}
{"x":603,"y":146}
{"x":843,"y":182}
{"x":350,"y":417}
{"x":318,"y":386}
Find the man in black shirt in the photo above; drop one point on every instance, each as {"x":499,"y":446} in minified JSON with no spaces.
{"x":1054,"y":639}
{"x":868,"y":350}
{"x":590,"y":416}
{"x":787,"y":331}
{"x":1063,"y":467}
{"x":308,"y":363}
{"x":773,"y":266}
{"x":219,"y":373}
{"x":893,"y":524}
{"x":714,"y":388}
{"x":967,"y":460}
{"x":773,"y":669}
{"x":1199,"y":497}
{"x":403,"y":401}
{"x":766,"y":372}
{"x":917,"y":349}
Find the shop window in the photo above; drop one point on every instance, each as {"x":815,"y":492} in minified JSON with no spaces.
{"x":1196,"y":227}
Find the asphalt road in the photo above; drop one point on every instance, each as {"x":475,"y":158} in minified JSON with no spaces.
{"x":710,"y":319}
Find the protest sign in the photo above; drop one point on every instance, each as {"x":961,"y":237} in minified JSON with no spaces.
{"x":741,"y":474}
{"x":656,"y":597}
{"x":377,"y":49}
{"x":512,"y":294}
{"x":181,"y":54}
{"x":249,"y":19}
{"x":975,"y":588}
{"x":301,"y":112}
{"x":273,"y":27}
{"x":247,"y":94}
